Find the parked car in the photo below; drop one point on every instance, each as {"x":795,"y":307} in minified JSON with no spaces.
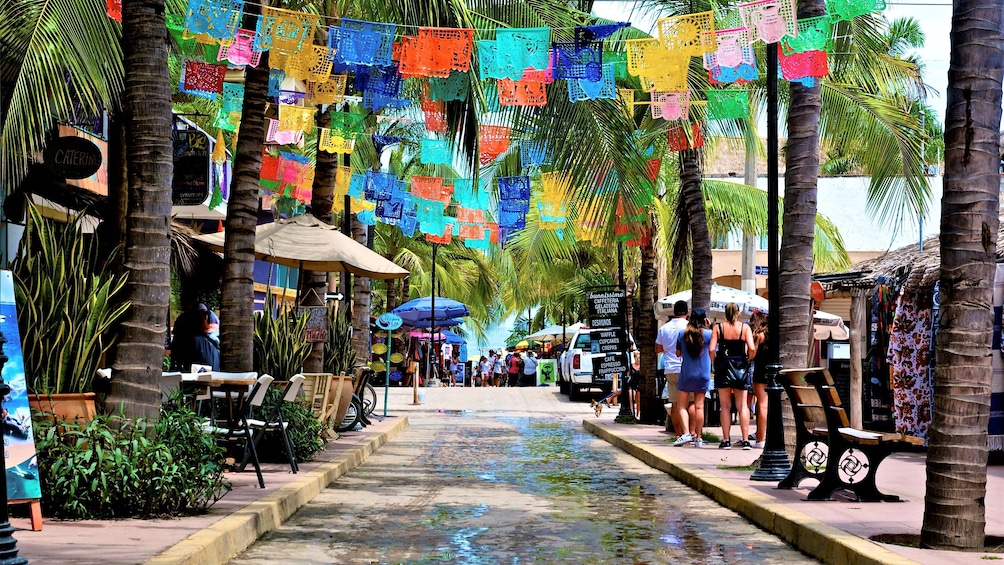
{"x":576,"y":366}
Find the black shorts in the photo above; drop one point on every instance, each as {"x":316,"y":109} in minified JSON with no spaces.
{"x":739,"y":380}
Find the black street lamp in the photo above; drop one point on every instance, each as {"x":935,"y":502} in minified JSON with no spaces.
{"x":8,"y":545}
{"x":774,"y":464}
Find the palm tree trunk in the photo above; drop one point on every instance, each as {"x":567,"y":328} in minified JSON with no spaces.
{"x":799,"y":214}
{"x":645,"y":331}
{"x":315,"y":283}
{"x":391,"y":289}
{"x":954,"y":509}
{"x":140,"y":355}
{"x":693,"y":199}
{"x":360,"y":302}
{"x":236,"y":304}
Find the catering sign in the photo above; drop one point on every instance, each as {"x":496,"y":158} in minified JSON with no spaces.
{"x":72,"y":157}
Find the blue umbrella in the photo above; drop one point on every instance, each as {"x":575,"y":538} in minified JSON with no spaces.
{"x":421,"y":309}
{"x":452,"y":338}
{"x":423,"y":324}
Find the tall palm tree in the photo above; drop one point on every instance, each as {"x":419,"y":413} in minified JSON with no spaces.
{"x":149,"y":155}
{"x":954,"y":510}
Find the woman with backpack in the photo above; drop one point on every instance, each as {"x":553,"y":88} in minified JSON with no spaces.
{"x":732,"y":349}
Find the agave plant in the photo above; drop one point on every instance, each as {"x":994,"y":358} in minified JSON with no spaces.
{"x":68,"y":304}
{"x":279,"y":346}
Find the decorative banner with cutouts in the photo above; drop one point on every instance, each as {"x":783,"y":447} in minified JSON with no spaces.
{"x":728,"y":104}
{"x":769,"y":20}
{"x":689,"y":34}
{"x":671,"y":105}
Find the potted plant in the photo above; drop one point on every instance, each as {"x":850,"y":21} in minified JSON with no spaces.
{"x":68,"y":304}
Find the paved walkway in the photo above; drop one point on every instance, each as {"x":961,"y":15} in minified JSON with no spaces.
{"x":835,"y":532}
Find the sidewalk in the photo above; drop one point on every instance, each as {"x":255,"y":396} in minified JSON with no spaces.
{"x":833,"y":531}
{"x":231,"y":524}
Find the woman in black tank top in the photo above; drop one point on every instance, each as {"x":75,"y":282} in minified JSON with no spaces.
{"x":732,"y":349}
{"x":758,"y":326}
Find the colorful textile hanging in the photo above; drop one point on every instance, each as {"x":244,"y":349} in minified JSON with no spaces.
{"x":798,"y":66}
{"x":626,"y":97}
{"x":390,"y":209}
{"x":275,"y":78}
{"x":742,"y":74}
{"x":470,"y":215}
{"x":429,"y":214}
{"x":519,"y":49}
{"x":582,"y":89}
{"x":658,"y":68}
{"x":436,"y":152}
{"x":277,"y":59}
{"x":382,"y":141}
{"x":679,"y":140}
{"x":296,"y":117}
{"x":587,"y":231}
{"x":379,"y":186}
{"x":469,"y":196}
{"x":492,"y":142}
{"x":514,"y":188}
{"x":331,"y":91}
{"x":447,"y":235}
{"x":218,"y":19}
{"x":229,"y":121}
{"x":512,"y":214}
{"x":434,"y":112}
{"x":728,"y":104}
{"x":347,"y":124}
{"x":312,"y":63}
{"x":232,"y":99}
{"x":376,"y":101}
{"x":850,"y":9}
{"x":909,"y":357}
{"x":671,"y":105}
{"x":690,"y":34}
{"x":733,"y":49}
{"x":769,"y":20}
{"x":577,"y":60}
{"x":814,"y":34}
{"x":534,"y":154}
{"x":453,"y":87}
{"x":332,"y":142}
{"x":585,"y":34}
{"x":552,"y":215}
{"x":379,"y":80}
{"x":488,"y":67}
{"x":362,"y":43}
{"x":176,"y":29}
{"x":284,"y":31}
{"x":114,"y":9}
{"x":556,"y":186}
{"x":435,"y":52}
{"x":203,"y":79}
{"x":239,"y":49}
{"x":291,"y":97}
{"x":357,"y":185}
{"x":522,"y":93}
{"x":343,"y":176}
{"x":431,"y":188}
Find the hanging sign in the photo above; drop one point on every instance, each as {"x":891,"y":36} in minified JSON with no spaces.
{"x":607,"y":308}
{"x":317,"y":324}
{"x":72,"y":157}
{"x":190,"y":186}
{"x":608,"y":341}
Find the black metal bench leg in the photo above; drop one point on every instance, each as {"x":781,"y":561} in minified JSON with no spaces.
{"x":866,"y":490}
{"x":815,"y":456}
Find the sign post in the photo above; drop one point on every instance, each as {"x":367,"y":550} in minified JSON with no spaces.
{"x":389,"y":322}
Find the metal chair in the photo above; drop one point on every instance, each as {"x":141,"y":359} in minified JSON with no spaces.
{"x":238,"y":429}
{"x":275,"y":422}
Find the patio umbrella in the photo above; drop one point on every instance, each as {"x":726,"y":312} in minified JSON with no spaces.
{"x":424,"y":324}
{"x":421,"y":309}
{"x":452,"y":338}
{"x":720,"y":296}
{"x":307,"y":243}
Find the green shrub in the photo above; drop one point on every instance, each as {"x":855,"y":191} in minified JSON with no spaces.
{"x":304,"y":429}
{"x":279,"y":346}
{"x":103,"y":469}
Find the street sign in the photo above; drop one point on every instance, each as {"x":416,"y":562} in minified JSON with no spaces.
{"x":607,"y":309}
{"x":389,"y":321}
{"x":760,"y":270}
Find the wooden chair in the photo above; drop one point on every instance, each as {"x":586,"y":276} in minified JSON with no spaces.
{"x":853,"y":456}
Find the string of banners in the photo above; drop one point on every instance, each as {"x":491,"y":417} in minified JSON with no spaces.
{"x":518,"y":63}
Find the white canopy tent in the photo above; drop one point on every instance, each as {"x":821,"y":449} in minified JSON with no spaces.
{"x":554,"y":333}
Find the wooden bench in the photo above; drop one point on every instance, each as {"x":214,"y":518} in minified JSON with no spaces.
{"x":852,"y":456}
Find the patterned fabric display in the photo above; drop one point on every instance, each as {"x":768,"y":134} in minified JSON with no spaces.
{"x":909,"y":356}
{"x":470,"y":215}
{"x":671,"y":105}
{"x":227,"y":120}
{"x":652,"y":168}
{"x":311,"y":63}
{"x":740,"y":75}
{"x":769,"y":20}
{"x":379,"y":186}
{"x":291,"y":166}
{"x":376,"y":101}
{"x":658,"y":68}
{"x":291,"y":97}
{"x":691,"y":34}
{"x":275,"y":78}
{"x":362,"y":43}
{"x":436,"y":152}
{"x":728,"y":104}
{"x":390,"y":209}
{"x":430,"y":188}
{"x":343,"y":176}
{"x":521,"y":93}
{"x":332,"y":142}
{"x":513,"y":216}
{"x":203,"y":78}
{"x":577,"y":60}
{"x":679,"y":140}
{"x":514,"y":188}
{"x":585,"y":34}
{"x":733,"y":49}
{"x":626,"y":96}
{"x":331,"y":91}
{"x":176,"y":29}
{"x":534,"y":154}
{"x":347,"y":124}
{"x":802,"y":65}
{"x":277,"y":59}
{"x":449,"y":224}
{"x":435,"y":52}
{"x":435,"y":114}
{"x":239,"y":50}
{"x":296,"y":118}
{"x":488,"y":60}
{"x":454,"y":87}
{"x":522,"y":48}
{"x":814,"y":34}
{"x":218,"y":19}
{"x":492,"y":142}
{"x":468,"y":196}
{"x":285,"y":31}
{"x":582,"y":89}
{"x":382,"y":141}
{"x":269,"y":167}
{"x":429,"y":214}
{"x":850,"y":9}
{"x":556,"y":186}
{"x":379,"y":80}
{"x":357,"y":185}
{"x":233,"y":97}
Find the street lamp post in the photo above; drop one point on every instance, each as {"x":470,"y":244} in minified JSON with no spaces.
{"x":8,"y":545}
{"x":774,"y":464}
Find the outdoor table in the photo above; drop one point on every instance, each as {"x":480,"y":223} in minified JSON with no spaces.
{"x":234,"y":389}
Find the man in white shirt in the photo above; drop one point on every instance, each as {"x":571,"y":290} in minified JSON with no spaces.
{"x":665,"y":343}
{"x":529,"y":370}
{"x":446,"y":353}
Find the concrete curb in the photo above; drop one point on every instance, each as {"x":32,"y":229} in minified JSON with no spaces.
{"x":815,"y":538}
{"x":232,"y":534}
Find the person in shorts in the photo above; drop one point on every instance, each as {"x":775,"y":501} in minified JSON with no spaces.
{"x":665,"y":343}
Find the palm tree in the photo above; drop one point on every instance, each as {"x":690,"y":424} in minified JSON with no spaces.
{"x":954,"y":511}
{"x":139,"y":359}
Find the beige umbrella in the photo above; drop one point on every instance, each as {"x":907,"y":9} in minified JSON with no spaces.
{"x":308,"y":243}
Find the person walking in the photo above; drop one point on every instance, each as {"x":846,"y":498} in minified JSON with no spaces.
{"x":498,"y":369}
{"x":732,"y":349}
{"x":514,"y":366}
{"x":529,"y":370}
{"x":693,"y":348}
{"x":633,"y":384}
{"x":665,"y":343}
{"x":758,"y":325}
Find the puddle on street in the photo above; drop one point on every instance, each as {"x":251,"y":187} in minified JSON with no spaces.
{"x":490,"y":488}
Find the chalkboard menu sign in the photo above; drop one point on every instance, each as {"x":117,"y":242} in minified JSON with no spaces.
{"x":191,"y":168}
{"x":604,"y":368}
{"x":608,"y":341}
{"x":607,"y":309}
